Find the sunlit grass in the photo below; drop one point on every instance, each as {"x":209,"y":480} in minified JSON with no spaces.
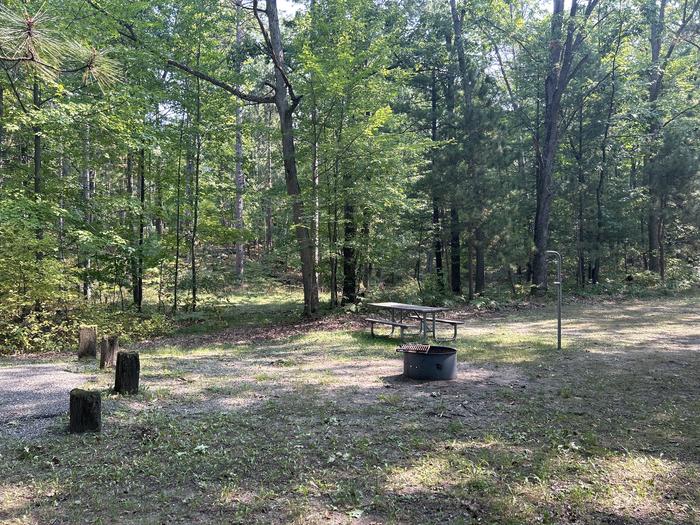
{"x":246,"y":306}
{"x":318,"y":427}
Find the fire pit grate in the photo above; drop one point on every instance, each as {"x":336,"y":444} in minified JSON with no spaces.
{"x":414,"y":348}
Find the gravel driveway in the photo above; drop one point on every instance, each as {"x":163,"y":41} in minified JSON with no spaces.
{"x":32,"y":396}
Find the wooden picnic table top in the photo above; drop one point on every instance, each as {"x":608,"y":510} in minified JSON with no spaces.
{"x":410,"y":307}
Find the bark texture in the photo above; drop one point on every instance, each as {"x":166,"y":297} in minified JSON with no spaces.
{"x":285,"y":111}
{"x":126,"y":379}
{"x":87,"y":343}
{"x":85,"y":411}
{"x":109,"y":347}
{"x":565,"y":40}
{"x":240,"y":175}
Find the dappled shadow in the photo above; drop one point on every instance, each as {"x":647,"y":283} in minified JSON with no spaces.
{"x":255,"y":330}
{"x":283,"y":454}
{"x":399,"y":378}
{"x":310,"y":430}
{"x":32,"y":394}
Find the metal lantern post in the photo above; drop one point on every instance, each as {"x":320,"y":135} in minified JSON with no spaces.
{"x":558,"y":284}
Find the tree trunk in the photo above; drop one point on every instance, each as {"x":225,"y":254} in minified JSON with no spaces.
{"x":316,"y":195}
{"x":511,"y":281}
{"x":195,"y":195}
{"x":544,"y":193}
{"x":470,"y":270}
{"x":349,"y":293}
{"x":286,"y":115}
{"x":160,"y":212}
{"x":38,"y":152}
{"x":85,"y":411}
{"x":658,"y":12}
{"x":437,"y":231}
{"x":366,"y":264}
{"x":333,"y":233}
{"x":85,"y":261}
{"x":177,"y":216}
{"x":316,"y":136}
{"x":268,"y":198}
{"x":467,"y":81}
{"x":561,"y":54}
{"x":64,"y":175}
{"x":133,"y":257}
{"x":126,"y":378}
{"x":138,"y":284}
{"x":109,"y":347}
{"x":480,"y":255}
{"x":455,"y":252}
{"x":333,"y":281}
{"x":437,"y":243}
{"x":662,"y":260}
{"x":349,"y":254}
{"x":604,"y":162}
{"x":240,"y":176}
{"x":240,"y":190}
{"x":577,"y":151}
{"x":87,"y":342}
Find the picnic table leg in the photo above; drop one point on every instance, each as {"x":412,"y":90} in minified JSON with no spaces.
{"x":434,"y":335}
{"x":393,"y":320}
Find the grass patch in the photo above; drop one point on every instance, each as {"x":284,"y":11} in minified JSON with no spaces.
{"x":318,"y":428}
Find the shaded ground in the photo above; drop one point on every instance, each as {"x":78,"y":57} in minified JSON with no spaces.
{"x":318,"y":427}
{"x":33,"y":394}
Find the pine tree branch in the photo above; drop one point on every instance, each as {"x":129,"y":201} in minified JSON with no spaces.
{"x":129,"y":32}
{"x":15,"y":92}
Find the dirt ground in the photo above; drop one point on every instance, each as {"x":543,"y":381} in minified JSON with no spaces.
{"x":314,"y":424}
{"x":31,"y":396}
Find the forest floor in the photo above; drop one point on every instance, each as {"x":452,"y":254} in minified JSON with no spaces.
{"x":312,"y":423}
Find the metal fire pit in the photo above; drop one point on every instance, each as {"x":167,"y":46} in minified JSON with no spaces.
{"x":429,"y":361}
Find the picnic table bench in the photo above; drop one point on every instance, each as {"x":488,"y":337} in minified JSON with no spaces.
{"x":401,"y":326}
{"x":426,"y":315}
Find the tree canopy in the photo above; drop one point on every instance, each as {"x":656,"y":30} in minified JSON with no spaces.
{"x":150,"y":150}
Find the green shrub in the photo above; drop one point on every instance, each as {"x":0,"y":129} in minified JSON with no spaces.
{"x":646,"y":279}
{"x":434,"y":291}
{"x":47,"y":330}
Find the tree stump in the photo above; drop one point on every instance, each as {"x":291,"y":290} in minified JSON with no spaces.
{"x":126,"y":380}
{"x":109,"y":346}
{"x":88,"y":342}
{"x":85,"y":411}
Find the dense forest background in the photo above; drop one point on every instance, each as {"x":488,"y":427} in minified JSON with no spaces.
{"x":156,"y":152}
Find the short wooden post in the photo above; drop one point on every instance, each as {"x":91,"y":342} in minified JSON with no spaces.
{"x":85,"y":411}
{"x":126,"y":379}
{"x":109,"y":346}
{"x":87,"y":346}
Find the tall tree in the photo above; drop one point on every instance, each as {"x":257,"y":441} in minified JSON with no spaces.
{"x":567,"y":35}
{"x":239,"y":175}
{"x":663,"y":44}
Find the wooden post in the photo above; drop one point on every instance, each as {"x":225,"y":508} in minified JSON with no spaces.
{"x":109,"y":346}
{"x":87,"y":346}
{"x":126,"y":380}
{"x":85,"y":411}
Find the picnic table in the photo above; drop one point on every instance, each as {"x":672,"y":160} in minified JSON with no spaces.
{"x":426,"y":315}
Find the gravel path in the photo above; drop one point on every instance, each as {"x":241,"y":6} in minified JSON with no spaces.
{"x":32,"y":396}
